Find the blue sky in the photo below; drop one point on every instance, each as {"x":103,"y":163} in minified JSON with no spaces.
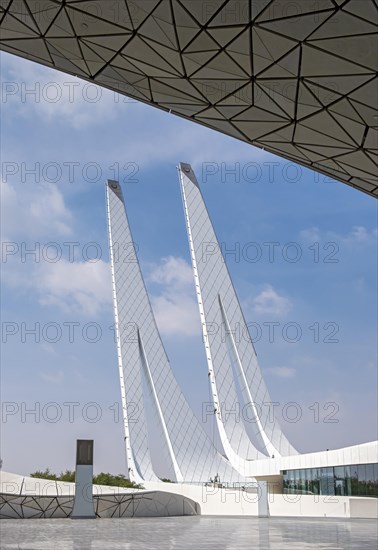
{"x":304,"y":256}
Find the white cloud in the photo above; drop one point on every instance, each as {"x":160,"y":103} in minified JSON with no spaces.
{"x":33,"y":211}
{"x":310,"y":235}
{"x":313,"y":363}
{"x":359,"y":234}
{"x":53,"y":377}
{"x":57,"y":96}
{"x":48,"y":348}
{"x":270,"y":302}
{"x":175,"y":308}
{"x":172,"y":271}
{"x":176,"y":314}
{"x":78,"y":287}
{"x":282,"y":372}
{"x":39,"y":212}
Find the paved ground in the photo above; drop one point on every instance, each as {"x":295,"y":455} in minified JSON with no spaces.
{"x":194,"y":533}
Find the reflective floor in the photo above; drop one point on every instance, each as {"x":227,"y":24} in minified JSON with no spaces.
{"x":200,"y":533}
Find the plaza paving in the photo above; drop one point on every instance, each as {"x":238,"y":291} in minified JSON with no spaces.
{"x":181,"y":533}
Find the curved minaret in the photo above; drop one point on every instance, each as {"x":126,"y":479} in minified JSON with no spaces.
{"x":232,"y":363}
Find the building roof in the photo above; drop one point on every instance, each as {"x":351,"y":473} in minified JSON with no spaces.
{"x":298,"y":79}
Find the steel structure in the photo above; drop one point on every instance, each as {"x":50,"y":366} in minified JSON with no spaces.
{"x":146,"y":376}
{"x":147,"y":380}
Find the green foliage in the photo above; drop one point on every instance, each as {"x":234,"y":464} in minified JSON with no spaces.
{"x":101,"y":479}
{"x":68,"y":475}
{"x":44,"y":475}
{"x":166,"y":480}
{"x":115,"y":480}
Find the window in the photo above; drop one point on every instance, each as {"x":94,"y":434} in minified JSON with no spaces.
{"x":348,"y":481}
{"x":340,"y":481}
{"x":370,"y":481}
{"x":314,"y":483}
{"x":376,"y":479}
{"x":354,"y":480}
{"x":361,"y":470}
{"x":327,"y":486}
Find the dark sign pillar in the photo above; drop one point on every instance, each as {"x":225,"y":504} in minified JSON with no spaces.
{"x":83,"y":501}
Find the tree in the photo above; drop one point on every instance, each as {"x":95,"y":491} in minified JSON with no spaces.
{"x":68,"y":475}
{"x":100,"y":479}
{"x":115,"y":481}
{"x":44,"y":475}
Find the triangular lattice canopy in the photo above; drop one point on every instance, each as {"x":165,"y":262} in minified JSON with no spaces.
{"x":296,"y":78}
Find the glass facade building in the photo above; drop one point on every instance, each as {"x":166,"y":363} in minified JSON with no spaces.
{"x":353,"y":480}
